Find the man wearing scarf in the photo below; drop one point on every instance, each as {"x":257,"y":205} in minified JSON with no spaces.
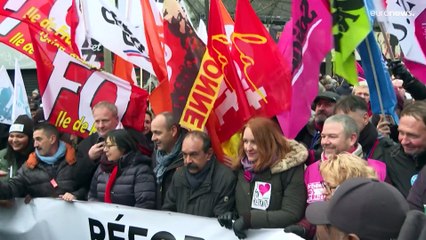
{"x":49,"y":170}
{"x":203,"y":187}
{"x":167,"y":137}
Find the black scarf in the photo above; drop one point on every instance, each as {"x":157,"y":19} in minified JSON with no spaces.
{"x":195,"y":180}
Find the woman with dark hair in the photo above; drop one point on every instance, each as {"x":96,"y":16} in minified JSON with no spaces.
{"x":124,"y":175}
{"x":20,"y":145}
{"x":147,"y":129}
{"x":270,"y":191}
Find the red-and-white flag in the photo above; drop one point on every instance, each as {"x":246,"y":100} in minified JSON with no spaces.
{"x":63,"y":80}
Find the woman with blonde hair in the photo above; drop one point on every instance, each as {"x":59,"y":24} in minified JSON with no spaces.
{"x":341,"y":167}
{"x":270,"y":191}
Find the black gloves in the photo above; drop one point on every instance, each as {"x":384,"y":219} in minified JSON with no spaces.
{"x":225,"y":220}
{"x":399,"y":70}
{"x":239,"y":228}
{"x":296,"y":229}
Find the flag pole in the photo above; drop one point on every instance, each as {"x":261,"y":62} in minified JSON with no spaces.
{"x":385,"y":37}
{"x":376,"y":81}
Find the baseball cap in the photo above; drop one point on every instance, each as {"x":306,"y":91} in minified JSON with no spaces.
{"x":365,"y":207}
{"x":327,"y":95}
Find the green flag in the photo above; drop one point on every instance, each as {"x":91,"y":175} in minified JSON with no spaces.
{"x":350,"y":27}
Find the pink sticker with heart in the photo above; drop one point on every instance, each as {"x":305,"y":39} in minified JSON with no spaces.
{"x":261,"y":195}
{"x":264,"y":188}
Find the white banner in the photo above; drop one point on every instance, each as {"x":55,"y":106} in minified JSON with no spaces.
{"x":105,"y":24}
{"x":46,"y":218}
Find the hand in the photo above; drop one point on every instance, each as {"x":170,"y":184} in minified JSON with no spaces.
{"x":27,"y":199}
{"x":296,"y":229}
{"x":96,"y":150}
{"x":399,"y":70}
{"x":68,"y":197}
{"x":7,"y":203}
{"x":239,"y":228}
{"x":229,"y":162}
{"x":3,"y":173}
{"x":383,"y":127}
{"x":225,"y":220}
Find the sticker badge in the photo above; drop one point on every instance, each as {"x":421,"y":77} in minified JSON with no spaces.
{"x":413,"y":179}
{"x":261,"y":195}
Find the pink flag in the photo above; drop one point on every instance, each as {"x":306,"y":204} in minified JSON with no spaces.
{"x":312,"y":40}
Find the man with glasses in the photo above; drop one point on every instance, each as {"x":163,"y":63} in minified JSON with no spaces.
{"x":203,"y":186}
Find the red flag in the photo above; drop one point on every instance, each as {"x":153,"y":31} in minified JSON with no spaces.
{"x":160,"y":98}
{"x":155,"y":37}
{"x":266,"y":76}
{"x":232,"y":102}
{"x":124,"y":70}
{"x":63,"y":80}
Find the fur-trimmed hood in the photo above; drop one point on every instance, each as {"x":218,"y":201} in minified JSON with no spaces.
{"x":32,"y":161}
{"x":297,"y":155}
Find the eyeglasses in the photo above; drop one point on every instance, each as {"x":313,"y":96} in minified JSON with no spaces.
{"x":109,"y":146}
{"x":328,"y":187}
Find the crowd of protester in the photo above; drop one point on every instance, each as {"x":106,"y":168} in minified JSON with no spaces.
{"x":349,"y":174}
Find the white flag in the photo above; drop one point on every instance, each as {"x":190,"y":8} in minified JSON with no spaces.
{"x":6,"y":97}
{"x":407,"y":28}
{"x":110,"y":28}
{"x":20,"y":97}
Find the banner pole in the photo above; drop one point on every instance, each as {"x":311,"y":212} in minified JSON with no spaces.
{"x":376,"y":81}
{"x":385,"y":37}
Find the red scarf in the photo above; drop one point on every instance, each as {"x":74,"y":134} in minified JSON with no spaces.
{"x":109,"y":185}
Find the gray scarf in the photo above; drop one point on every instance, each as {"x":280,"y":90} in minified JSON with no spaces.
{"x":164,"y":160}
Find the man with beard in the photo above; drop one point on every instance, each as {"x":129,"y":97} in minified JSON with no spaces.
{"x":48,"y":172}
{"x":406,"y":159}
{"x":203,"y":186}
{"x":323,"y":106}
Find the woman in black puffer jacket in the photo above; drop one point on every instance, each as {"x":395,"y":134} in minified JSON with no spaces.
{"x":124,"y":175}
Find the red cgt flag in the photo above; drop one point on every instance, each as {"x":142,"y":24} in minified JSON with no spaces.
{"x":69,"y":89}
{"x":232,"y":102}
{"x":266,"y":76}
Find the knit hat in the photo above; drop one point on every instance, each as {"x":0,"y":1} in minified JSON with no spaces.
{"x":23,"y":124}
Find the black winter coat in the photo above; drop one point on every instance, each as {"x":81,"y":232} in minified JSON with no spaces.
{"x":34,"y":178}
{"x":212,"y":198}
{"x":134,"y":184}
